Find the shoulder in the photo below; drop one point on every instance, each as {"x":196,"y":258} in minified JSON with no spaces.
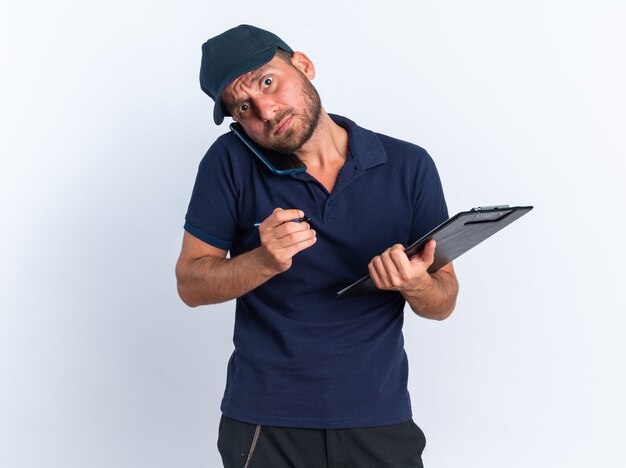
{"x":224,"y":154}
{"x":401,"y":148}
{"x":392,"y":146}
{"x":224,"y":147}
{"x":225,"y":162}
{"x":375,"y":147}
{"x":408,"y":158}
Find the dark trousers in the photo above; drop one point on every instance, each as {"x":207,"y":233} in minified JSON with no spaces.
{"x":244,"y":445}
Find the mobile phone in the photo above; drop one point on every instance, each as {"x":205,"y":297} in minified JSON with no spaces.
{"x":278,"y":163}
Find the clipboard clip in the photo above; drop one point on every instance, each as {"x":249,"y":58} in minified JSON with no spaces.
{"x":492,"y":207}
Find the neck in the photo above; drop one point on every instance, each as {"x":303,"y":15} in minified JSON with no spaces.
{"x":327,"y":147}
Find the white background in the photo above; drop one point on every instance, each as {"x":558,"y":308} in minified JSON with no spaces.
{"x":103,"y":124}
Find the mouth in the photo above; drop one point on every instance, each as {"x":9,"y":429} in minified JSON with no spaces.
{"x":282,"y":126}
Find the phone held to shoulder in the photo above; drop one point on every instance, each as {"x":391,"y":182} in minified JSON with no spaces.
{"x":277,"y":163}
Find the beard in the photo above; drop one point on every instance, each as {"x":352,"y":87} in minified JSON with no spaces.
{"x":290,"y":141}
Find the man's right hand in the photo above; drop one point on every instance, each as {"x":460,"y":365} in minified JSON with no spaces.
{"x":281,"y":239}
{"x":205,"y":276}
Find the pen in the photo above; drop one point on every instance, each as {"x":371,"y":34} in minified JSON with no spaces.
{"x":306,"y":219}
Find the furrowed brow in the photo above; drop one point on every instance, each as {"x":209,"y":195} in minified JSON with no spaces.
{"x":234,"y":101}
{"x":256,"y":75}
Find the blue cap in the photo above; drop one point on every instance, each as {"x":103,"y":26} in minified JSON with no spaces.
{"x":232,"y":54}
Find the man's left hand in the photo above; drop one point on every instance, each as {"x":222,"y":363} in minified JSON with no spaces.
{"x":393,"y":270}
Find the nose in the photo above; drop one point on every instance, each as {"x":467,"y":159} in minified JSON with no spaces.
{"x":266,"y":107}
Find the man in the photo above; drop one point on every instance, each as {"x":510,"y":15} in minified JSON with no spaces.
{"x":313,"y":381}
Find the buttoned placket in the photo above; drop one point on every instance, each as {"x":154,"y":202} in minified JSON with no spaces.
{"x":347,"y":174}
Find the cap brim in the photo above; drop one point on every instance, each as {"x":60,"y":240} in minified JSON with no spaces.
{"x":256,"y":61}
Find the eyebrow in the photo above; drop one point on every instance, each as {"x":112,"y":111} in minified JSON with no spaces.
{"x":254,"y":77}
{"x":259,"y":71}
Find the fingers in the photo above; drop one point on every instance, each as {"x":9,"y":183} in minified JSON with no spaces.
{"x":284,"y":237}
{"x":281,"y":238}
{"x":279,"y":225}
{"x":393,"y":270}
{"x":300,"y":242}
{"x":280,"y":216}
{"x":427,"y":255}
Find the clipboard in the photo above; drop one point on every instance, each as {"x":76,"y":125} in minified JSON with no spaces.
{"x":454,"y":237}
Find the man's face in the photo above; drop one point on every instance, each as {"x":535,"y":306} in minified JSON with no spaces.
{"x":276,"y":104}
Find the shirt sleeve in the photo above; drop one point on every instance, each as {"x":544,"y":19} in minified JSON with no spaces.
{"x":212,"y":212}
{"x":430,"y":209}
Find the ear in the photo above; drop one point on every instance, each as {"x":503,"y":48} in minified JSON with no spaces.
{"x":304,"y":64}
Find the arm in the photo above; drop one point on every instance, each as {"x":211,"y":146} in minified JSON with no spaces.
{"x":430,"y":296}
{"x":205,"y":276}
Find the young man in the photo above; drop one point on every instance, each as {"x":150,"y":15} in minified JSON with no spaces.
{"x":313,"y":381}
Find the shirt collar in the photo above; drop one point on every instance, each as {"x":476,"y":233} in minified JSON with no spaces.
{"x":364,"y":145}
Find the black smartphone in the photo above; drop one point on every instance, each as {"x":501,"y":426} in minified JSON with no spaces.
{"x":278,"y":163}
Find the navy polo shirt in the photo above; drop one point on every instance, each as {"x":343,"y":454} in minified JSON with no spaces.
{"x":303,"y":358}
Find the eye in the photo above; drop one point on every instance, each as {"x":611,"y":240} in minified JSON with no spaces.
{"x":267,"y":81}
{"x":243,"y":107}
